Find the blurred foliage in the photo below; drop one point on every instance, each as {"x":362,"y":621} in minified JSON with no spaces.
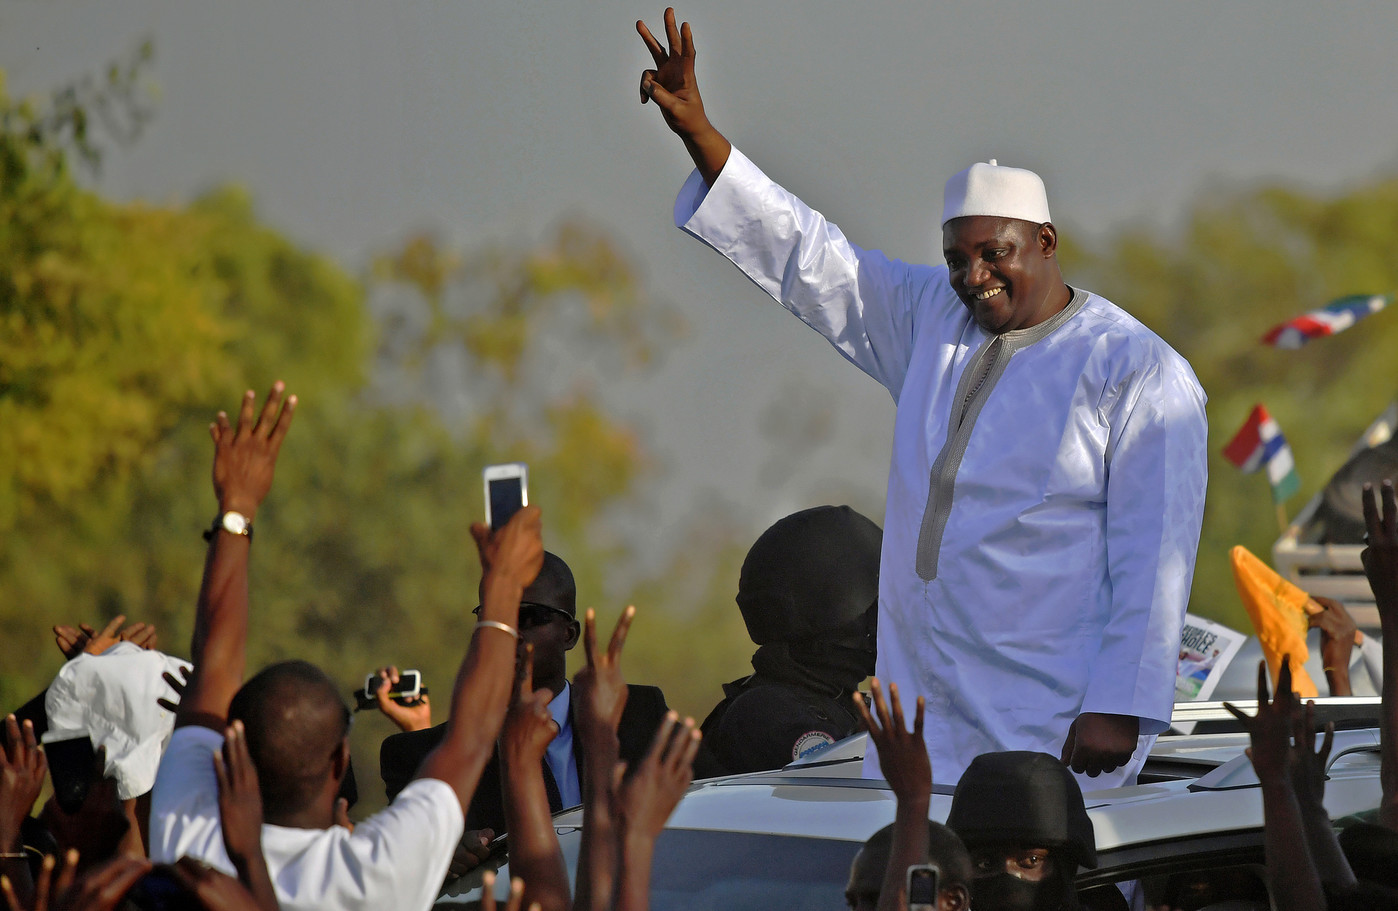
{"x":124,"y":327}
{"x":1243,"y":262}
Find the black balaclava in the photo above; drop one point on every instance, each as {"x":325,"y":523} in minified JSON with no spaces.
{"x":808,"y":592}
{"x":1030,"y":799}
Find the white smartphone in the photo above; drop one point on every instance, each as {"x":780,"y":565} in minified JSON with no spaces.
{"x":922,"y":887}
{"x":506,"y":492}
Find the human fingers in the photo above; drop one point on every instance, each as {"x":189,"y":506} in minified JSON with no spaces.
{"x":880,"y":704}
{"x":12,"y":900}
{"x":67,"y":872}
{"x":1239,"y":714}
{"x":1070,"y":743}
{"x":590,"y":637}
{"x":524,"y":673}
{"x":113,"y":629}
{"x":921,"y":715}
{"x":657,"y":53}
{"x":1326,"y":742}
{"x":895,"y":708}
{"x":1263,"y":694}
{"x":267,"y":418}
{"x":106,"y":885}
{"x":686,"y":41}
{"x":1390,"y":508}
{"x":1372,"y":526}
{"x":516,"y":894}
{"x":662,"y":96}
{"x":689,"y":747}
{"x":623,"y":626}
{"x":42,"y":886}
{"x":12,"y":743}
{"x":244,"y":774}
{"x":283,"y":422}
{"x":221,"y":770}
{"x":862,"y":708}
{"x":1285,"y":698}
{"x":488,"y":891}
{"x":246,"y":411}
{"x":672,"y":33}
{"x":1303,"y":731}
{"x":663,"y":734}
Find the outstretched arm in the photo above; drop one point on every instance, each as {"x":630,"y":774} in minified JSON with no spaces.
{"x":534,"y":852}
{"x":671,"y":85}
{"x":1381,"y":566}
{"x":245,"y":458}
{"x":510,"y":559}
{"x":905,"y":763}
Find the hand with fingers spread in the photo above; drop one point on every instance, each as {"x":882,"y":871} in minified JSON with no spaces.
{"x":672,"y":86}
{"x":245,"y":456}
{"x":178,"y":685}
{"x":101,"y":888}
{"x":1380,"y":554}
{"x":600,"y":687}
{"x":22,"y":770}
{"x":74,"y":641}
{"x":414,"y":717}
{"x":1270,"y":729}
{"x":902,"y":753}
{"x":648,"y":796}
{"x":216,"y":890}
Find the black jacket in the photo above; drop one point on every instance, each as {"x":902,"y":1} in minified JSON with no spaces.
{"x":764,"y":724}
{"x":401,"y":754}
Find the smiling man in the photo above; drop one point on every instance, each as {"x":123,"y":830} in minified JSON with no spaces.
{"x":1048,"y":473}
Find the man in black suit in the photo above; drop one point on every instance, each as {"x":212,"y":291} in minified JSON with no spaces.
{"x":548,"y":621}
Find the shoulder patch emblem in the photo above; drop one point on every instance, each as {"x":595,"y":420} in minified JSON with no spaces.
{"x":811,"y":742}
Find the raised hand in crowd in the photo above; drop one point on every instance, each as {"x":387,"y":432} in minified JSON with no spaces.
{"x":416,"y":716}
{"x":99,"y":889}
{"x":515,"y":901}
{"x":510,"y":559}
{"x":178,"y":685}
{"x":245,"y":459}
{"x":673,"y":88}
{"x":601,"y":691}
{"x":240,"y":812}
{"x":645,"y":800}
{"x":1292,"y":876}
{"x":1308,"y":780}
{"x":1380,"y":557}
{"x":22,"y":769}
{"x":534,"y":851}
{"x":908,"y":769}
{"x":1337,"y":629}
{"x":74,"y":641}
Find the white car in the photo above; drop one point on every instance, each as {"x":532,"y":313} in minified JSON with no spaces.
{"x":1190,"y":833}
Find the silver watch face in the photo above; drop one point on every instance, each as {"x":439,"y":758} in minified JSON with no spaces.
{"x":235,"y":523}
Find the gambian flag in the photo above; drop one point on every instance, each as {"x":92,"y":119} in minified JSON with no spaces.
{"x":1335,"y":316}
{"x":1260,"y":443}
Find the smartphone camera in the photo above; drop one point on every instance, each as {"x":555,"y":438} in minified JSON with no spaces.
{"x":506,"y":492}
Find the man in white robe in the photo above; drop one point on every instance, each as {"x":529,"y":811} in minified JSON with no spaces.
{"x":1047,"y":482}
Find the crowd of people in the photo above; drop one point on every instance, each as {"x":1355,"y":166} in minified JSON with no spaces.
{"x":1028,"y":588}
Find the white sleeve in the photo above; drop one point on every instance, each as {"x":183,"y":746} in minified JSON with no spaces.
{"x":407,"y":846}
{"x":184,"y":816}
{"x":860,"y":300}
{"x":1157,"y":471}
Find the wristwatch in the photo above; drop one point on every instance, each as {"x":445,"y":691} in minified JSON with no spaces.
{"x":235,"y":523}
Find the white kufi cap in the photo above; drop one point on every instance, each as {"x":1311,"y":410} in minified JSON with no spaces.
{"x":986,"y":188}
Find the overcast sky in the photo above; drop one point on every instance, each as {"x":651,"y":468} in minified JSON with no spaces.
{"x":353,"y":122}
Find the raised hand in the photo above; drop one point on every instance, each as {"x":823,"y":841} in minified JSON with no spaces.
{"x":902,"y":753}
{"x":1380,"y":555}
{"x":672,"y":86}
{"x":46,"y":885}
{"x":179,"y":686}
{"x":239,"y":796}
{"x":22,"y":770}
{"x":245,"y":457}
{"x":648,"y":797}
{"x":1337,"y":629}
{"x":600,"y":687}
{"x":414,"y":717}
{"x":512,"y":554}
{"x":1098,"y":743}
{"x":529,"y":726}
{"x":100,"y":889}
{"x":1270,"y":729}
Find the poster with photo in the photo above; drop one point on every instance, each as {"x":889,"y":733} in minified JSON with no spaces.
{"x":1206,"y":648}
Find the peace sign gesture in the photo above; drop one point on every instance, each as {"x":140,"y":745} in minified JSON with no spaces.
{"x":672,"y":86}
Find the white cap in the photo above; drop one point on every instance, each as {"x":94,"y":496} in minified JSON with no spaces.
{"x":986,"y":188}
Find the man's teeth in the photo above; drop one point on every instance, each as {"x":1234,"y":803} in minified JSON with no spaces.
{"x":986,"y":295}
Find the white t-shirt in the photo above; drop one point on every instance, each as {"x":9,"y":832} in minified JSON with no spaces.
{"x":396,"y":858}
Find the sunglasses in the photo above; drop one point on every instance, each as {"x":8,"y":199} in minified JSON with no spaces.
{"x":531,"y":614}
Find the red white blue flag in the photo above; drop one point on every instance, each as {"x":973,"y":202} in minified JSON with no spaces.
{"x":1260,"y":443}
{"x":1336,"y":316}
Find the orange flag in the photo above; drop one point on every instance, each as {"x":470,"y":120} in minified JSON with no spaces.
{"x":1278,"y":612}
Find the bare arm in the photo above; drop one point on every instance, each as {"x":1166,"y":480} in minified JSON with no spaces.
{"x":601,"y":692}
{"x":908,"y":769}
{"x":510,"y":558}
{"x":671,"y":85}
{"x":1381,"y":566}
{"x":245,"y":458}
{"x":1308,"y":780}
{"x":1292,"y":876}
{"x":534,"y":852}
{"x":646,"y":800}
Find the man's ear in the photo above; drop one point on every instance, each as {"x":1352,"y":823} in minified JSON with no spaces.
{"x":574,"y":631}
{"x":339,"y":760}
{"x":953,"y":898}
{"x":1047,"y":239}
